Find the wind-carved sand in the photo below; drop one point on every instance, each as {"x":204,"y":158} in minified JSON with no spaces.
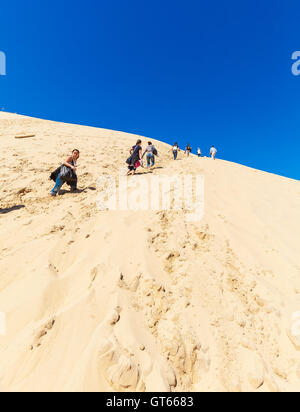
{"x":143,"y":301}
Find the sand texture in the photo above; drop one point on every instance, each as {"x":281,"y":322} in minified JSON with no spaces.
{"x":143,"y":300}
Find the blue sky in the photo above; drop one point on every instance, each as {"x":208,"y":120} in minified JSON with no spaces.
{"x":201,"y":72}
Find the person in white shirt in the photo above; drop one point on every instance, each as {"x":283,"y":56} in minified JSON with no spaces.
{"x":199,"y":152}
{"x":213,"y":152}
{"x":175,"y":150}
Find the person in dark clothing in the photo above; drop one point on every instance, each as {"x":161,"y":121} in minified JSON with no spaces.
{"x":188,"y":150}
{"x":135,"y":159}
{"x":69,"y":163}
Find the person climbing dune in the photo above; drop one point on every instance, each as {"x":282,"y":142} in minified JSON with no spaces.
{"x":150,"y":152}
{"x":135,"y":159}
{"x":66,"y":173}
{"x":213,"y":152}
{"x":188,"y":150}
{"x":175,"y":149}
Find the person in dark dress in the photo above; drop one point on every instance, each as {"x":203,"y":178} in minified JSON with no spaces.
{"x":135,"y":158}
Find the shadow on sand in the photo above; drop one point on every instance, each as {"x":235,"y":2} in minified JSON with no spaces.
{"x":145,"y":171}
{"x":11,"y":209}
{"x":78,"y":191}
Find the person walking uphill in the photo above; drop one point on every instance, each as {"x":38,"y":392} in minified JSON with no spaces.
{"x":213,"y":152}
{"x":135,"y":160}
{"x":150,"y":156}
{"x":175,"y":150}
{"x":66,"y":174}
{"x":188,"y":150}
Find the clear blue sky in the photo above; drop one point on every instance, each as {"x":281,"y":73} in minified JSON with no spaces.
{"x":202,"y":72}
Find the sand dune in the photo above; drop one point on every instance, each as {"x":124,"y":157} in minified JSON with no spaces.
{"x":143,"y":300}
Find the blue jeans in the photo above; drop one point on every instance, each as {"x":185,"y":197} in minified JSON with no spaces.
{"x":150,"y":160}
{"x":175,"y":153}
{"x":59,"y":184}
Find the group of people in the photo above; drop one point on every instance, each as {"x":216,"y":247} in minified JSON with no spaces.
{"x":67,"y":172}
{"x":137,"y":155}
{"x":188,"y":151}
{"x":212,"y":152}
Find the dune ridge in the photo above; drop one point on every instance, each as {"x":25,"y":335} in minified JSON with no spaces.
{"x":143,"y":300}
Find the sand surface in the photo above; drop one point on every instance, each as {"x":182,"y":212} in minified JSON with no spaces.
{"x":143,"y":300}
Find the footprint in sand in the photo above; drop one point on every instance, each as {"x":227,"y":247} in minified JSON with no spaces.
{"x":45,"y":330}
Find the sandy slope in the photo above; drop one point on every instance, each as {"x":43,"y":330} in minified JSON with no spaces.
{"x":143,"y":300}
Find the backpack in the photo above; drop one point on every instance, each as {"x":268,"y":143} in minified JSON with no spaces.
{"x":154,"y":151}
{"x":54,"y":174}
{"x":67,"y":175}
